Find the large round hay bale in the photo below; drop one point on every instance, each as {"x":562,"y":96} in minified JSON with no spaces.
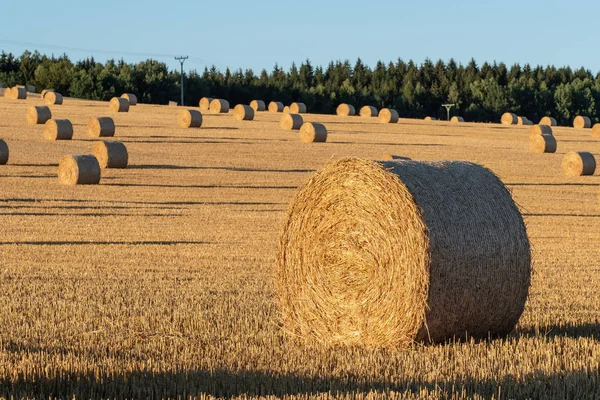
{"x":385,"y":254}
{"x":276,"y":107}
{"x":537,"y":130}
{"x":101,"y":127}
{"x":508,"y":119}
{"x":43,"y":94}
{"x":581,"y":122}
{"x":18,"y":93}
{"x":291,"y":122}
{"x":258,"y":105}
{"x":311,"y":132}
{"x":457,"y":120}
{"x":111,"y":154}
{"x":368,"y":111}
{"x":596,"y":130}
{"x":542,"y":144}
{"x":345,"y":110}
{"x":428,"y":118}
{"x":388,"y":116}
{"x":58,"y":129}
{"x":53,"y":98}
{"x":79,"y":170}
{"x":3,"y":152}
{"x":132,"y":98}
{"x":8,"y":93}
{"x":297,"y":108}
{"x":578,"y":163}
{"x":242,"y":112}
{"x":286,"y":109}
{"x":37,"y":115}
{"x":219,"y":106}
{"x":189,"y":119}
{"x":548,"y":121}
{"x":119,"y":104}
{"x":205,"y":103}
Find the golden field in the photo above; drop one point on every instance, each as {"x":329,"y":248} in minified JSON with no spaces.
{"x":158,"y":283}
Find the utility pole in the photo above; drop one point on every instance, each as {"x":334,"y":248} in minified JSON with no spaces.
{"x":448,"y":107}
{"x":181,"y":60}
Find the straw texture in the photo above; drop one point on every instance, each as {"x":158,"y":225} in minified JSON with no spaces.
{"x":111,"y":154}
{"x":53,"y":98}
{"x":275,"y":106}
{"x":345,"y":110}
{"x":313,"y":132}
{"x":508,"y":119}
{"x":596,"y":130}
{"x":189,"y":119}
{"x":242,"y":112}
{"x":581,"y":122}
{"x":3,"y":152}
{"x":132,"y":98}
{"x":118,"y":104}
{"x":101,"y":127}
{"x":258,"y":105}
{"x":542,"y":144}
{"x":291,"y":122}
{"x":388,"y":116}
{"x":58,"y":129}
{"x":368,"y":111}
{"x":205,"y":103}
{"x":37,"y":115}
{"x":79,"y":170}
{"x":578,"y":163}
{"x":297,"y":108}
{"x":548,"y":121}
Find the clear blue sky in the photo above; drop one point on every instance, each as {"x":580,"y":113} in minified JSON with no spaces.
{"x":257,"y":34}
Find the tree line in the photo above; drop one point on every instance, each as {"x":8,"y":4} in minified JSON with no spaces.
{"x":481,"y":93}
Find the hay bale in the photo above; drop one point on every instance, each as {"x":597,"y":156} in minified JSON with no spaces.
{"x":291,"y":122}
{"x":118,"y":104}
{"x":457,"y":120}
{"x":219,"y":106}
{"x":298,"y":108}
{"x":242,"y":112}
{"x":428,"y":118}
{"x":101,"y":127}
{"x":205,"y":103}
{"x":542,"y":144}
{"x":172,"y":104}
{"x":368,"y":111}
{"x":508,"y":119}
{"x":522,"y":121}
{"x":111,"y":154}
{"x":53,"y":98}
{"x":578,"y":163}
{"x":43,"y":94}
{"x":18,"y":93}
{"x":581,"y":122}
{"x":58,"y":129}
{"x":258,"y":105}
{"x":385,"y":254}
{"x":132,"y":98}
{"x":37,"y":115}
{"x":345,"y":110}
{"x":548,"y":121}
{"x":8,"y":93}
{"x":189,"y":119}
{"x":391,"y":157}
{"x":388,"y":116}
{"x":537,"y":130}
{"x":276,"y":107}
{"x":596,"y":130}
{"x":311,"y":132}
{"x":3,"y":152}
{"x":79,"y":170}
{"x":286,"y":109}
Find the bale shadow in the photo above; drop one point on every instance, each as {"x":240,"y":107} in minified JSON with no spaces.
{"x":394,"y":144}
{"x":55,"y":214}
{"x":552,"y":184}
{"x":571,"y":330}
{"x":236,"y":169}
{"x":561,"y":215}
{"x":108,"y":243}
{"x":157,"y":185}
{"x":34,"y":165}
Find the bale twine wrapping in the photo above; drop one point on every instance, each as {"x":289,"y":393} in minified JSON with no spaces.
{"x":37,"y":115}
{"x":119,"y":104}
{"x":101,"y":127}
{"x":312,"y":132}
{"x":258,"y":105}
{"x":368,"y":111}
{"x":18,"y":93}
{"x":537,"y":130}
{"x":219,"y":106}
{"x":111,"y":154}
{"x":298,"y":108}
{"x":43,"y":94}
{"x":596,"y":130}
{"x":79,"y":170}
{"x":205,"y":103}
{"x":276,"y":107}
{"x":189,"y":119}
{"x":578,"y":163}
{"x":3,"y":152}
{"x":242,"y":112}
{"x":58,"y":129}
{"x":581,"y":122}
{"x":53,"y":98}
{"x":384,"y":254}
{"x":508,"y":119}
{"x":132,"y":98}
{"x":391,"y":157}
{"x":286,"y":109}
{"x":345,"y":110}
{"x":457,"y":120}
{"x":548,"y":121}
{"x":542,"y":144}
{"x":388,"y":116}
{"x":291,"y":122}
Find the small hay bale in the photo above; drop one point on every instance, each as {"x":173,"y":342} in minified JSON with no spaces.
{"x":368,"y":112}
{"x":578,"y":163}
{"x":258,"y":105}
{"x":457,"y":120}
{"x":119,"y":104}
{"x":79,"y":170}
{"x":521,"y":121}
{"x":172,"y":104}
{"x":242,"y":112}
{"x":345,"y":110}
{"x":388,"y":116}
{"x":291,"y":122}
{"x":391,"y":157}
{"x":8,"y":93}
{"x":189,"y":119}
{"x":132,"y":98}
{"x":275,"y":107}
{"x":37,"y":115}
{"x":101,"y":127}
{"x":596,"y":130}
{"x":581,"y":122}
{"x":508,"y":119}
{"x":428,"y":118}
{"x":298,"y":108}
{"x":542,"y":144}
{"x":18,"y":93}
{"x":111,"y":154}
{"x":537,"y":130}
{"x":43,"y":94}
{"x":3,"y":152}
{"x":286,"y":109}
{"x":313,"y":132}
{"x":205,"y":103}
{"x":548,"y":121}
{"x":58,"y":129}
{"x":385,"y":254}
{"x":219,"y":106}
{"x":53,"y":98}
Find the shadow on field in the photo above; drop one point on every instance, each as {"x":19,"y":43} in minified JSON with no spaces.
{"x":236,"y":169}
{"x":30,"y":176}
{"x":133,"y":202}
{"x":115,"y":243}
{"x":560,"y":215}
{"x":34,"y":165}
{"x":394,"y":144}
{"x":552,"y":184}
{"x":198,"y":186}
{"x":75,"y":215}
{"x":572,"y":330}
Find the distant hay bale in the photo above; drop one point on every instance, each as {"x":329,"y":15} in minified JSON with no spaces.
{"x":119,"y":104}
{"x":291,"y":122}
{"x":508,"y":119}
{"x":111,"y":154}
{"x":368,"y":111}
{"x":581,"y":122}
{"x":3,"y":152}
{"x":311,"y":132}
{"x":392,"y":157}
{"x":8,"y":93}
{"x":43,"y":94}
{"x":537,"y":130}
{"x":521,"y":121}
{"x":428,"y":118}
{"x":542,"y":144}
{"x":258,"y":105}
{"x":101,"y":127}
{"x":275,"y":107}
{"x":388,"y":116}
{"x":578,"y":163}
{"x":205,"y":103}
{"x":38,"y":115}
{"x":286,"y":109}
{"x":457,"y":120}
{"x":345,"y":110}
{"x":18,"y":93}
{"x":298,"y":108}
{"x":58,"y":129}
{"x":596,"y":130}
{"x":53,"y":98}
{"x":189,"y":119}
{"x":219,"y":106}
{"x":172,"y":104}
{"x":132,"y":98}
{"x":385,"y":254}
{"x":30,"y":89}
{"x":242,"y":112}
{"x":548,"y":121}
{"x":79,"y":170}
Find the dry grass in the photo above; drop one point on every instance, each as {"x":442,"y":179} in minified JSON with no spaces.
{"x":162,"y":285}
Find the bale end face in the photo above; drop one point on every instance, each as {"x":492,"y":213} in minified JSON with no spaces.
{"x":243,"y":112}
{"x":79,"y":170}
{"x":189,"y":119}
{"x":313,"y":132}
{"x":111,"y":154}
{"x":578,"y":163}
